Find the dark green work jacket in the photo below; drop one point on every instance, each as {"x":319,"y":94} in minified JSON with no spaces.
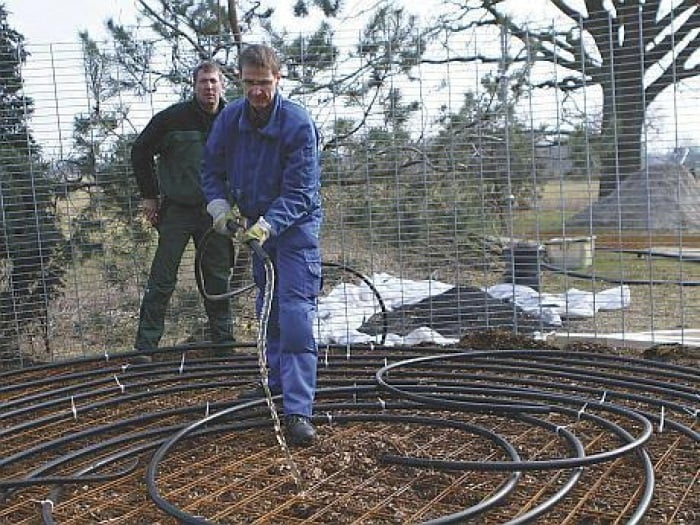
{"x":166,"y":156}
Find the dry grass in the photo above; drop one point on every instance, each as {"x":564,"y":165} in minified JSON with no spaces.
{"x":97,"y":315}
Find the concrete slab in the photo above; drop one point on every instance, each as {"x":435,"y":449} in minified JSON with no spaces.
{"x":686,"y":337}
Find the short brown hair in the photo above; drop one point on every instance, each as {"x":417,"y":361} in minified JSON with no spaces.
{"x":207,"y":66}
{"x":259,"y":55}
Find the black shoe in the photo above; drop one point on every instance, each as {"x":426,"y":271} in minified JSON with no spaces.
{"x":140,"y":359}
{"x":299,"y":430}
{"x":258,"y":392}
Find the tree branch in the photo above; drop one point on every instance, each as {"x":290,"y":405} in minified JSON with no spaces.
{"x":570,"y":83}
{"x":567,"y":10}
{"x":338,"y":138}
{"x":597,"y":26}
{"x":673,"y":12}
{"x":671,"y":40}
{"x":483,"y":58}
{"x":670,"y":77}
{"x":558,"y":40}
{"x":200,"y":50}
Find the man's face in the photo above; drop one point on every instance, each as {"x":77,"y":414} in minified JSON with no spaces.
{"x":259,"y":85}
{"x":208,"y":89}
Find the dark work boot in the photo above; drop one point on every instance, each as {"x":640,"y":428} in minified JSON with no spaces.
{"x":141,"y":358}
{"x":299,"y":430}
{"x":258,"y":392}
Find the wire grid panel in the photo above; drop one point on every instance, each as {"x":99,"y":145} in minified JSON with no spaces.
{"x":458,"y":196}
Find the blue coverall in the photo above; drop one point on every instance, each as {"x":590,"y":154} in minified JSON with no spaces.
{"x":274,"y":172}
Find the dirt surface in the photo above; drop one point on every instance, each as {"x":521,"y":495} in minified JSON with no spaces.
{"x":662,"y":197}
{"x":74,"y":415}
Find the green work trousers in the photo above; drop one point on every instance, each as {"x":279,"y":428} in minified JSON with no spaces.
{"x":177,"y":225}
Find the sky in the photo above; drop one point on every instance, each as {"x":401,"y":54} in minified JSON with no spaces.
{"x":59,"y":21}
{"x":56,"y":21}
{"x":52,"y":26}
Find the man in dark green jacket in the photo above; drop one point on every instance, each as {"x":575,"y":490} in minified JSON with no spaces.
{"x":166,"y":159}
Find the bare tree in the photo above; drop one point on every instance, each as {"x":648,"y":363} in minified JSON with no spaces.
{"x":633,"y":50}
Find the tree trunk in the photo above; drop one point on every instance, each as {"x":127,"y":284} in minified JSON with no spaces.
{"x":624,"y":103}
{"x":235,"y":28}
{"x":621,"y":151}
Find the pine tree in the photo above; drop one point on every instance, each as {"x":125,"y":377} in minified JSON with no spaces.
{"x":31,"y":244}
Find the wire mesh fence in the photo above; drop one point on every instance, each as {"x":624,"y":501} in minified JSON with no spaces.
{"x":459,"y":195}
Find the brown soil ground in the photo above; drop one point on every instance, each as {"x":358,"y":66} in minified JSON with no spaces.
{"x":243,"y":475}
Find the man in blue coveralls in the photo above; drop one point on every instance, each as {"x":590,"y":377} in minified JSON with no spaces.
{"x":261,"y":169}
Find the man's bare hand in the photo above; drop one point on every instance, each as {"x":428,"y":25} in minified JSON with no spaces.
{"x":150,"y":210}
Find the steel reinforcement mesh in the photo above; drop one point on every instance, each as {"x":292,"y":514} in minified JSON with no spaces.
{"x":405,"y":435}
{"x":465,"y":199}
{"x":450,"y":166}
